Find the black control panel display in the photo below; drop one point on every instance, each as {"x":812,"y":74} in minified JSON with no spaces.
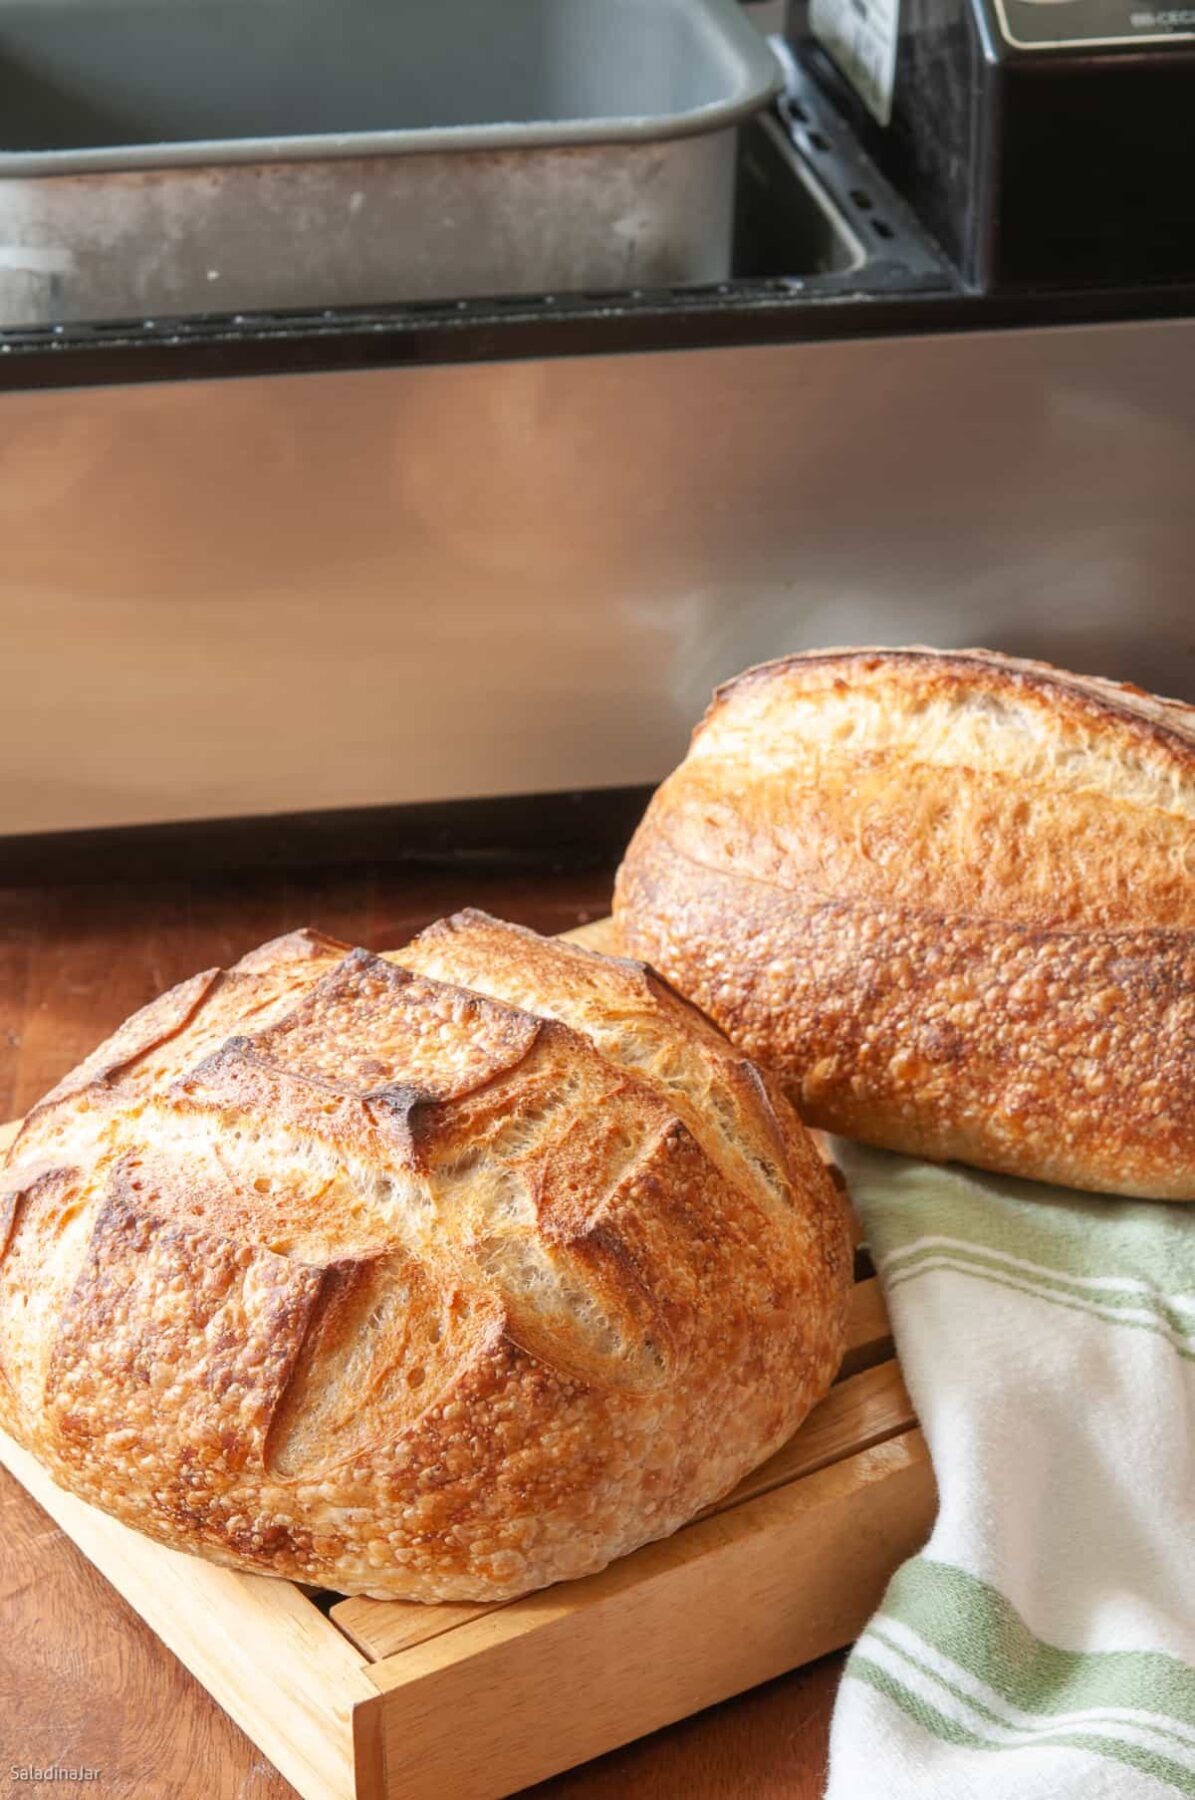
{"x":1039,"y":24}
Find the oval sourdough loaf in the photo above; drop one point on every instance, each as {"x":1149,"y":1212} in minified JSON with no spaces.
{"x":439,"y":1275}
{"x":949,"y":897}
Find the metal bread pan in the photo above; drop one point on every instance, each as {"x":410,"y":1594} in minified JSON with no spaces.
{"x":164,"y":157}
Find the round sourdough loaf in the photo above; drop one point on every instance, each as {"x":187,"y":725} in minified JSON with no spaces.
{"x":949,"y":897}
{"x":441,"y":1275}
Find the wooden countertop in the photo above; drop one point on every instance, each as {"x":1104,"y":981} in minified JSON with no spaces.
{"x":84,"y":1680}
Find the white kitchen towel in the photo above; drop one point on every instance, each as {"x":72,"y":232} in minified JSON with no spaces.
{"x":1041,"y":1647}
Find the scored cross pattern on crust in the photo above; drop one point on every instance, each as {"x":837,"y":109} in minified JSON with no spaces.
{"x":443,"y":1273}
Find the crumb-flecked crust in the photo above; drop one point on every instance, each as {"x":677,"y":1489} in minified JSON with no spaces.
{"x":949,"y":898}
{"x":441,"y":1275}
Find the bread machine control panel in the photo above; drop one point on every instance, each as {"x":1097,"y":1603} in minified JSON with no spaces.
{"x":1046,"y":144}
{"x":1063,"y":24}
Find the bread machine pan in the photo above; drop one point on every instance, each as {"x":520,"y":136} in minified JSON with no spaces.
{"x":159,"y":158}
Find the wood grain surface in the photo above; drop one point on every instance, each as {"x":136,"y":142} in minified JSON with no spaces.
{"x":83,"y":1681}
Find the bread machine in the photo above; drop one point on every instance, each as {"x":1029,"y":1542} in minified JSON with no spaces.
{"x":263,"y":561}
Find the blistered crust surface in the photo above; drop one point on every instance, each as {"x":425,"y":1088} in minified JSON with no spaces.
{"x":441,"y":1275}
{"x":950,"y":899}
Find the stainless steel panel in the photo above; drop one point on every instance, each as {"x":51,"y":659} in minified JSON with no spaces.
{"x":309,"y":591}
{"x":159,"y":158}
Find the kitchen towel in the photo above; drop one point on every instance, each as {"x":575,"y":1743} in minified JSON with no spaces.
{"x":1042,"y":1645}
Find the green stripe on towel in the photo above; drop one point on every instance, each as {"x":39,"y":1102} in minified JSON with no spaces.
{"x":980,"y":1630}
{"x":1075,"y":1234}
{"x":932,"y":1720}
{"x":1142,"y":1308}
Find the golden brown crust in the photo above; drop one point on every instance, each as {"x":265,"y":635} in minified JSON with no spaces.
{"x":1149,"y":717}
{"x":333,"y":1268}
{"x":950,"y":899}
